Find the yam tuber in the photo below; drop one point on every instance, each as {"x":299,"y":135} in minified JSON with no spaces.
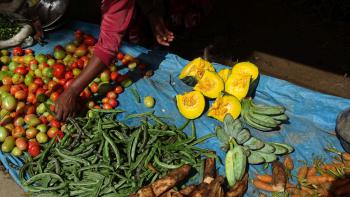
{"x":279,"y":178}
{"x":239,"y":189}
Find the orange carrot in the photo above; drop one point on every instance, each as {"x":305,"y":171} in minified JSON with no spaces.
{"x":317,"y":180}
{"x":265,"y":186}
{"x":302,"y":173}
{"x":311,"y":171}
{"x":264,"y":178}
{"x":345,"y":156}
{"x":332,"y":166}
{"x":305,"y":191}
{"x":288,"y":163}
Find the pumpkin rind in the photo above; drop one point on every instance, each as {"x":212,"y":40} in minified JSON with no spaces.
{"x":191,"y":104}
{"x":210,"y":85}
{"x":224,"y":105}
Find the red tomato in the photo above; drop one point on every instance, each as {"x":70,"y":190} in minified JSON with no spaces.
{"x":21,"y":95}
{"x":32,"y":87}
{"x":120,"y":56}
{"x":118,"y":89}
{"x":107,"y":106}
{"x":28,"y":51}
{"x":7,"y":80}
{"x":52,"y":132}
{"x":89,"y":40}
{"x":14,"y":89}
{"x":113,"y":103}
{"x":62,"y":81}
{"x":21,"y":143}
{"x":34,"y":150}
{"x":40,"y":91}
{"x":52,"y":107}
{"x":43,"y":119}
{"x":39,"y":81}
{"x":59,"y":70}
{"x":69,"y":75}
{"x":74,"y":65}
{"x":80,"y":63}
{"x":58,"y":48}
{"x":125,"y":61}
{"x":18,"y":132}
{"x":14,"y":115}
{"x":94,"y":87}
{"x":55,"y":123}
{"x":54,"y":96}
{"x":32,"y":143}
{"x":30,"y":109}
{"x":111,"y":95}
{"x":68,"y":83}
{"x":22,"y":70}
{"x":52,"y":85}
{"x":23,"y":87}
{"x":86,"y":93}
{"x":114,"y":76}
{"x":17,"y":51}
{"x":105,"y":100}
{"x":59,"y":135}
{"x":97,"y":107}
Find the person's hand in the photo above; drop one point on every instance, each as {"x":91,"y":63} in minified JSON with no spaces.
{"x":66,"y":104}
{"x":160,"y":31}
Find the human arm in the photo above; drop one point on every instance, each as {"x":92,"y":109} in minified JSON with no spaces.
{"x":116,"y":18}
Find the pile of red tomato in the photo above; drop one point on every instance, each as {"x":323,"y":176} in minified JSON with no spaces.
{"x":31,"y":83}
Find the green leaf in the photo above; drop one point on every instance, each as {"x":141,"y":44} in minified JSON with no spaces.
{"x":221,"y":135}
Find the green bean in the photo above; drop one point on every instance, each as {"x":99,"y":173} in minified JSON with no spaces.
{"x":136,"y":95}
{"x":139,"y":159}
{"x":165,"y":165}
{"x":40,"y":176}
{"x":95,"y":166}
{"x":107,"y":110}
{"x":98,"y":189}
{"x":114,"y":147}
{"x":134,"y":144}
{"x":185,"y":124}
{"x":77,"y":159}
{"x":105,"y":154}
{"x":202,"y":139}
{"x":139,"y":115}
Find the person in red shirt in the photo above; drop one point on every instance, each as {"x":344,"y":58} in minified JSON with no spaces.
{"x":116,"y":17}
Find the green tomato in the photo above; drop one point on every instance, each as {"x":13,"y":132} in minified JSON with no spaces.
{"x":16,"y":152}
{"x":104,"y":77}
{"x":4,"y":52}
{"x":3,"y":134}
{"x":113,"y":68}
{"x":76,"y":72}
{"x":5,"y":59}
{"x":97,"y":80}
{"x":38,"y":73}
{"x":8,"y":144}
{"x":41,"y":128}
{"x":132,"y":66}
{"x":41,"y":108}
{"x":12,"y":66}
{"x":47,"y":72}
{"x":59,"y":54}
{"x":4,"y":95}
{"x":51,"y":62}
{"x":67,"y":59}
{"x":70,"y":48}
{"x":41,"y":58}
{"x":41,"y":137}
{"x":17,"y":78}
{"x":28,"y":79}
{"x":9,"y":103}
{"x":33,"y":66}
{"x":28,"y":58}
{"x":149,"y":101}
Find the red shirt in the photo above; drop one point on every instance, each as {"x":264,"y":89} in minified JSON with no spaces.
{"x":116,"y":16}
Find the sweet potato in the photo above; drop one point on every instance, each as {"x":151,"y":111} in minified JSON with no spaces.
{"x":311,"y":171}
{"x":200,"y":191}
{"x":264,"y":178}
{"x":239,"y":189}
{"x":345,"y":156}
{"x":265,"y":186}
{"x":164,"y":184}
{"x":279,"y":178}
{"x":317,"y":180}
{"x":188,"y":189}
{"x":209,"y":168}
{"x":145,"y":192}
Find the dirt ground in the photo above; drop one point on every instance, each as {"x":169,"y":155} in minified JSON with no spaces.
{"x":284,"y":41}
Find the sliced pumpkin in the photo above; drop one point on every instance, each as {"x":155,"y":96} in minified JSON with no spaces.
{"x":210,"y":85}
{"x":246,"y":68}
{"x":194,"y":71}
{"x":224,"y":105}
{"x":191,"y":104}
{"x":238,"y":85}
{"x":224,"y":74}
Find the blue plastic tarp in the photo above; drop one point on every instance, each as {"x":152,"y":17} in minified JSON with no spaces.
{"x":312,"y":114}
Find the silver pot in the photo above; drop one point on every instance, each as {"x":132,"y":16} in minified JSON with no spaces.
{"x":51,"y":13}
{"x":343,"y":129}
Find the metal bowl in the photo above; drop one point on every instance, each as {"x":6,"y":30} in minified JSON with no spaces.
{"x":343,"y":129}
{"x":50,"y":11}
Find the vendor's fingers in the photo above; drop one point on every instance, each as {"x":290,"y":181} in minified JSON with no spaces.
{"x":161,"y":41}
{"x":59,"y":113}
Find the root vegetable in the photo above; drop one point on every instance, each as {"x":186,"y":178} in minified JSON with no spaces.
{"x":209,"y":169}
{"x":172,"y":193}
{"x":279,"y":178}
{"x":215,"y":188}
{"x":345,"y":156}
{"x":187,"y":190}
{"x":200,"y":191}
{"x":288,"y":163}
{"x":317,"y":180}
{"x":239,"y":189}
{"x":145,"y":192}
{"x":264,"y":178}
{"x":311,"y":171}
{"x":302,"y":173}
{"x":265,"y":186}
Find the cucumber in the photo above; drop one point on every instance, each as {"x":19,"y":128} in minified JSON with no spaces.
{"x":230,"y":175}
{"x":240,"y":162}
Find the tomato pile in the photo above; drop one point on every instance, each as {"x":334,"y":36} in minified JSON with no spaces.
{"x":31,"y":83}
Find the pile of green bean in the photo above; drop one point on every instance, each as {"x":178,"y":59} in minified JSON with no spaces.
{"x":99,"y":156}
{"x":8,"y":29}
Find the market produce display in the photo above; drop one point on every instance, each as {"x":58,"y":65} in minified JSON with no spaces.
{"x":100,"y":156}
{"x":31,"y":83}
{"x":232,"y":90}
